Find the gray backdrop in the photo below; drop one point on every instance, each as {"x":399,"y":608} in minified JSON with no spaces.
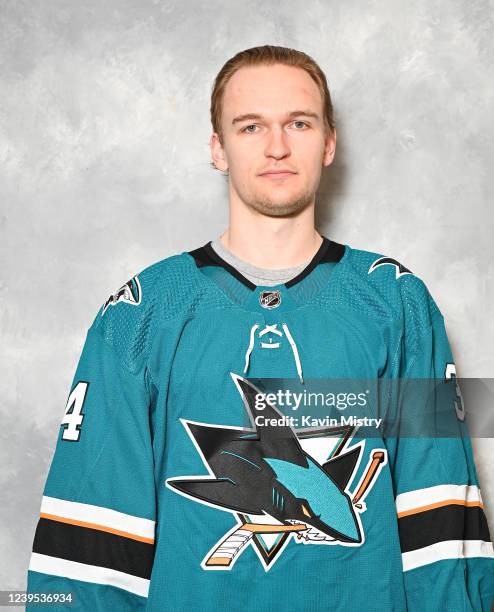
{"x":104,"y":129}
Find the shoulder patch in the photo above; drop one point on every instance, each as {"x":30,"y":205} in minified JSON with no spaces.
{"x":131,"y":293}
{"x":382,"y":261}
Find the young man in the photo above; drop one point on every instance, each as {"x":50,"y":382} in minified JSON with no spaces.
{"x":172,"y":488}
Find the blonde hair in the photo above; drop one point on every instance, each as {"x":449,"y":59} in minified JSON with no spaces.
{"x":268,"y":55}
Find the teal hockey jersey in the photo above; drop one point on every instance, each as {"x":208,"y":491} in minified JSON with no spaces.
{"x":173,"y":488}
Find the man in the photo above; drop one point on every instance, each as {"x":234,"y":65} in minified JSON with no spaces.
{"x":173,"y":488}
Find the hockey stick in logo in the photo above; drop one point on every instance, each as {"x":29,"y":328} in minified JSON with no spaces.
{"x":375,"y":465}
{"x":229,"y":548}
{"x":233,"y":543}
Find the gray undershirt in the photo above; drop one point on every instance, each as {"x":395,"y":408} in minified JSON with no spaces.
{"x":258,"y":276}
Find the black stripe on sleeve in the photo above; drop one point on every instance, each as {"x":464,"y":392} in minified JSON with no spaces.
{"x":452,"y":522}
{"x":93,"y":547}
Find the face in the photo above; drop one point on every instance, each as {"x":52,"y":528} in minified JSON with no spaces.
{"x":273,"y":120}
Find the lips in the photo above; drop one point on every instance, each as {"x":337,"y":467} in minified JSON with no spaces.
{"x":278,"y":173}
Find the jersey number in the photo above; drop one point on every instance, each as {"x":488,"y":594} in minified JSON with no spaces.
{"x":73,"y":416}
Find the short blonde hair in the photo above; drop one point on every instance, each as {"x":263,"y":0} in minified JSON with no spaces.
{"x":269,"y":55}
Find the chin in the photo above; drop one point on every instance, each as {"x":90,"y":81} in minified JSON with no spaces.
{"x":278,"y":209}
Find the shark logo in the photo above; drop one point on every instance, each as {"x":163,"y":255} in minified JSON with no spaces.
{"x":279,"y":483}
{"x":130,"y":293}
{"x":382,"y":261}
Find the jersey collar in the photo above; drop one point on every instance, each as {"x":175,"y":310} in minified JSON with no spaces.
{"x":329,"y":251}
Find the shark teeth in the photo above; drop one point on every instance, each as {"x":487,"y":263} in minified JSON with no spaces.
{"x":311,"y":533}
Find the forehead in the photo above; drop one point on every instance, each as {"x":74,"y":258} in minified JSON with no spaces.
{"x":270,"y":90}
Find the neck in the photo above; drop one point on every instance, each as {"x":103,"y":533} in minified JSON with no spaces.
{"x":272,"y":242}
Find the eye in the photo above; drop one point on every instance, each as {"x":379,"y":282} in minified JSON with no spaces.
{"x":246,"y":129}
{"x":306,"y":511}
{"x":303,"y":123}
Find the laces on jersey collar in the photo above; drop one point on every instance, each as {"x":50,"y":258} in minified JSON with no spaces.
{"x":272,"y":345}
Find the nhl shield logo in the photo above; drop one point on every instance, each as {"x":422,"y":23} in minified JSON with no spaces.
{"x":270,"y":299}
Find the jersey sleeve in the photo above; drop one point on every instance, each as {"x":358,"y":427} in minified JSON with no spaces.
{"x":447,"y":554}
{"x":95,"y":537}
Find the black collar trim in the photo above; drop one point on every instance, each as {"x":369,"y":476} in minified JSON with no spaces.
{"x":207,"y":256}
{"x":329,"y":251}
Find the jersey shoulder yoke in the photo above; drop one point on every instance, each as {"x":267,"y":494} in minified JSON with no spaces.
{"x":392,"y":285}
{"x":129,"y":316}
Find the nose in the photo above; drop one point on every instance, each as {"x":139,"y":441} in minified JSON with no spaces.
{"x":277,"y":144}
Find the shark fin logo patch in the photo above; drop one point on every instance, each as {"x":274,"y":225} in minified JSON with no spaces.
{"x":130,"y":293}
{"x":279,"y":483}
{"x":383,"y":261}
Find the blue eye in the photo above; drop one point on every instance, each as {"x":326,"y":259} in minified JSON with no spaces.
{"x":253,"y":125}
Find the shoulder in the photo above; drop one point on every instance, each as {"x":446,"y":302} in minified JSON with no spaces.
{"x":393,"y":285}
{"x":130,"y":314}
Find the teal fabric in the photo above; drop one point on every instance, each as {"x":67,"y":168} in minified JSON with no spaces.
{"x":164,"y":374}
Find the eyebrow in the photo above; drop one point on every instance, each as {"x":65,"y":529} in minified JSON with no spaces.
{"x":295,"y":113}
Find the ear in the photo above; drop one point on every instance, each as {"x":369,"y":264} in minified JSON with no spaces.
{"x":329,"y":148}
{"x":218,"y":152}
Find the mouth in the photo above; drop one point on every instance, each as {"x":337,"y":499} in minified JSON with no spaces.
{"x":277,"y":175}
{"x":311,"y":533}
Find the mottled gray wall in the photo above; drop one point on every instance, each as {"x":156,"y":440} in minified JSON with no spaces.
{"x":104,"y":159}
